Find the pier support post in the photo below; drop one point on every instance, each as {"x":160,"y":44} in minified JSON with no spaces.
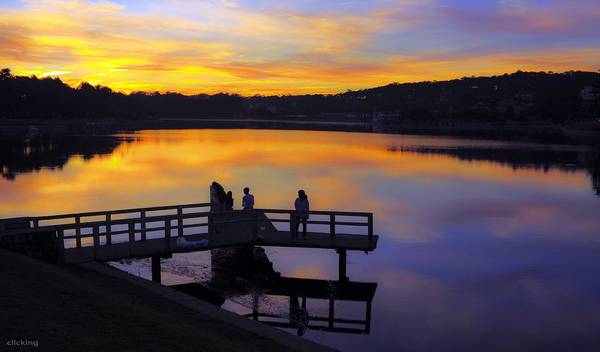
{"x":331,"y":316}
{"x":342,"y":265}
{"x":156,"y":269}
{"x":368,"y":318}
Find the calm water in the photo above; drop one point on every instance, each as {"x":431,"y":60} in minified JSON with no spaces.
{"x":483,"y":245}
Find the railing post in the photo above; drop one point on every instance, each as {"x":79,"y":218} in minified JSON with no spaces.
{"x":131,"y":228}
{"x":156,"y":269}
{"x":78,"y":231}
{"x":293,"y":227}
{"x":36,"y":223}
{"x":108,"y":229}
{"x":255,"y":225}
{"x":332,"y":225}
{"x":179,"y":221}
{"x":168,"y":233}
{"x":370,"y":225}
{"x":342,"y":265}
{"x":61,"y":243}
{"x":143,"y":224}
{"x":368,"y":318}
{"x":95,"y":231}
{"x":331,"y":311}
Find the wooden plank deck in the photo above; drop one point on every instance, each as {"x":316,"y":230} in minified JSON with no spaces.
{"x":163,"y":247}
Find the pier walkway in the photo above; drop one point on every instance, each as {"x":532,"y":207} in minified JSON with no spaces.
{"x":161,"y":231}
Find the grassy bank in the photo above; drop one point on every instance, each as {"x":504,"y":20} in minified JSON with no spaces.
{"x":72,"y":308}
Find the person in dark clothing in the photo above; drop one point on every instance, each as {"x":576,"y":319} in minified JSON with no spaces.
{"x":302,"y":209}
{"x":229,"y":201}
{"x":247,"y":200}
{"x":219,"y":192}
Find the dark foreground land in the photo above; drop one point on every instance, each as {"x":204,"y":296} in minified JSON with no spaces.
{"x":74,"y":308}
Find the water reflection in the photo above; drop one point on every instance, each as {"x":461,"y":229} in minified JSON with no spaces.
{"x":249,"y":272}
{"x":482,"y":243}
{"x":24,"y":153}
{"x":567,"y":159}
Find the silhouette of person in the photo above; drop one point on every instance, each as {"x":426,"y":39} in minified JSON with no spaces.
{"x":229,"y":201}
{"x":302,"y":209}
{"x":298,"y":315}
{"x":247,"y":200}
{"x":220,"y":197}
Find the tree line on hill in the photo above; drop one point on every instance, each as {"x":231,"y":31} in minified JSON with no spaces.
{"x":518,"y":97}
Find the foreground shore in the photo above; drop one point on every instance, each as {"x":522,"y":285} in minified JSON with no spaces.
{"x":97,"y":308}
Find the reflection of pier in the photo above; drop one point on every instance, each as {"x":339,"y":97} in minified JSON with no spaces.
{"x":321,"y":289}
{"x":301,"y":293}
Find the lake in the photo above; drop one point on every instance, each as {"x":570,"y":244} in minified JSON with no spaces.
{"x":484,"y":245}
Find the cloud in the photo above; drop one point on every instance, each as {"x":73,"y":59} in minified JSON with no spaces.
{"x":526,"y":17}
{"x":279,"y":48}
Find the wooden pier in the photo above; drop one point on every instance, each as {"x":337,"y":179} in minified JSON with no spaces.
{"x":161,"y":231}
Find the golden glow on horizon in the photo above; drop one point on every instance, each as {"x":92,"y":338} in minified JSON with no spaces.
{"x":342,"y":171}
{"x":177,"y":167}
{"x":241,"y":51}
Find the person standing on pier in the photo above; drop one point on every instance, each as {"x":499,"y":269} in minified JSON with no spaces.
{"x":217,"y":196}
{"x":302,"y":209}
{"x":229,"y":201}
{"x":247,"y":200}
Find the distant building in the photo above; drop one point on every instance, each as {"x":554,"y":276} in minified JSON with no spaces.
{"x":589,"y":93}
{"x":524,"y":98}
{"x":385,"y":116}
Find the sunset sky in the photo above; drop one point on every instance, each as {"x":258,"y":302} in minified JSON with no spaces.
{"x":292,"y":47}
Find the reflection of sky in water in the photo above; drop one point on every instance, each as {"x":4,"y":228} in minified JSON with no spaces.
{"x":472,"y":254}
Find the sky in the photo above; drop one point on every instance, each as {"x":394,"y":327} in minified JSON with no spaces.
{"x":292,"y":47}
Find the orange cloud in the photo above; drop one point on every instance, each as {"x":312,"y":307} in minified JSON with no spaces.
{"x":239,"y":50}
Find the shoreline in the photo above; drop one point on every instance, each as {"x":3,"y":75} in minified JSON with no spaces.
{"x":575,"y":134}
{"x":95,"y":307}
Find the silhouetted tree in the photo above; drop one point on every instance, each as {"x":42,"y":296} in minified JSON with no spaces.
{"x":5,"y":74}
{"x":517,"y":97}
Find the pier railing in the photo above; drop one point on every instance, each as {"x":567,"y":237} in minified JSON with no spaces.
{"x":101,"y":228}
{"x":333,"y":219}
{"x":131,"y":222}
{"x":61,"y":219}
